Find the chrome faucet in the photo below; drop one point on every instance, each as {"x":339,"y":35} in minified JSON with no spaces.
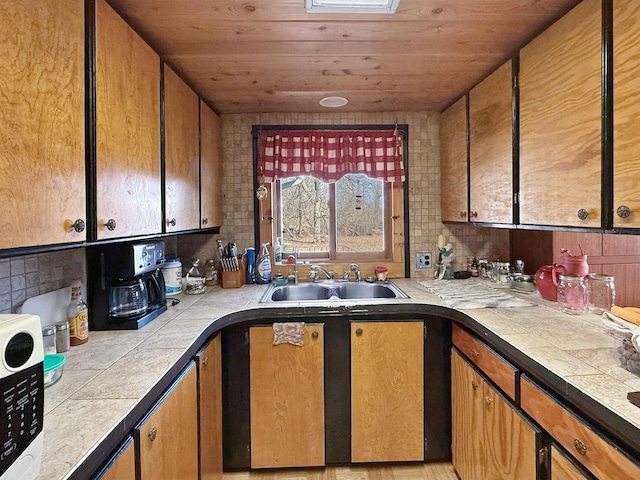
{"x":354,"y":268}
{"x":313,"y":273}
{"x":296,"y":254}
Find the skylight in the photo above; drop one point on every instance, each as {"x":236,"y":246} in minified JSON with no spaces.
{"x":352,"y":6}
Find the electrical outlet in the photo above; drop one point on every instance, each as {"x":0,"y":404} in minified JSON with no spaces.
{"x":423,"y":260}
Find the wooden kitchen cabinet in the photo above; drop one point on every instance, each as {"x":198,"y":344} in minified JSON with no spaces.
{"x":210,"y":167}
{"x":589,"y":449}
{"x":182,"y":158}
{"x":562,"y":468}
{"x":123,"y":466}
{"x":454,"y":202}
{"x":490,"y":439}
{"x":491,"y":148}
{"x":287,"y":399}
{"x":42,"y":123}
{"x":560,"y":84}
{"x":210,"y":407}
{"x":387,"y":391}
{"x":127,"y":130}
{"x":626,"y":83}
{"x":168,"y":436}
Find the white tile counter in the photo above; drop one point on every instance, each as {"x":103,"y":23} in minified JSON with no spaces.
{"x":105,"y":378}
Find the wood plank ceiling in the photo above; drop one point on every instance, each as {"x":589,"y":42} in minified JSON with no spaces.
{"x":272,"y":56}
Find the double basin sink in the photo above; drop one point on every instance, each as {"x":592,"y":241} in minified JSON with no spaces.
{"x":332,"y":290}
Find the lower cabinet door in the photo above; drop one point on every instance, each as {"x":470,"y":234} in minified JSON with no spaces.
{"x":490,"y":439}
{"x":387,"y":391}
{"x":168,"y":437}
{"x":210,"y":403}
{"x":123,"y":466}
{"x":287,"y":399}
{"x":562,"y":468}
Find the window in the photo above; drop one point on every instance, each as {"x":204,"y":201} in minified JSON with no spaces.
{"x":334,"y":220}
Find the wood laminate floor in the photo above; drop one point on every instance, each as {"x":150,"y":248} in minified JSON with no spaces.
{"x":426,"y":471}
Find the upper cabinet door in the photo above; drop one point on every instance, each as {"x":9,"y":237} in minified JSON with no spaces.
{"x":42,"y":122}
{"x":453,"y":162}
{"x":210,"y":167}
{"x":560,"y":122}
{"x":128,"y":130}
{"x":491,"y":148}
{"x":182,"y":169}
{"x":626,"y":85}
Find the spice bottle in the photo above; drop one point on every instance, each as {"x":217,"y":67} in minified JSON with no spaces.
{"x":63,"y":342}
{"x":77,"y":316}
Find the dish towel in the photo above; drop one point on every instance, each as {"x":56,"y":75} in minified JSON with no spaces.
{"x":623,"y":321}
{"x":288,"y":332}
{"x":470,"y":294}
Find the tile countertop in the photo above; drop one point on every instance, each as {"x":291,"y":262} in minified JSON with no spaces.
{"x":105,"y":378}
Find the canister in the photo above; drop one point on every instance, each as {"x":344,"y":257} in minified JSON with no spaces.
{"x":63,"y":341}
{"x":49,"y":339}
{"x":572,"y":294}
{"x":172,"y":273}
{"x":601,"y":292}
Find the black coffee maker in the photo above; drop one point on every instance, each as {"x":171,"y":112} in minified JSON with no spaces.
{"x":125,"y":286}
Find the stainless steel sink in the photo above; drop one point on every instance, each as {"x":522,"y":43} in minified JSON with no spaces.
{"x":331,"y":290}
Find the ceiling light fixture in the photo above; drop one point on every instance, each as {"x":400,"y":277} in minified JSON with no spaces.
{"x":352,"y":6}
{"x":333,"y":102}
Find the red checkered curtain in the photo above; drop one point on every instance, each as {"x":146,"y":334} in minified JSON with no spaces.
{"x":329,"y":155}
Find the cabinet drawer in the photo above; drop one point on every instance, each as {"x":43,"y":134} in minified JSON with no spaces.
{"x":591,"y":450}
{"x":493,"y":366}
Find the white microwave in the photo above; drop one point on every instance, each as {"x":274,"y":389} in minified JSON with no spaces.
{"x":22,"y":389}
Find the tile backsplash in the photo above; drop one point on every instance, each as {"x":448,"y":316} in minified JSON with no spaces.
{"x":31,"y":275}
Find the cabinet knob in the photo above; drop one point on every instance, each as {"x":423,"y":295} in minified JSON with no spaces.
{"x":580,"y":446}
{"x":623,"y":211}
{"x":463,"y":214}
{"x":153,"y":433}
{"x":205,"y":221}
{"x":172,"y":222}
{"x":111,"y":224}
{"x":475,"y":354}
{"x":474,"y":214}
{"x":487,"y":400}
{"x":474,"y":385}
{"x":79,"y":225}
{"x":314,"y":335}
{"x":583,"y":214}
{"x":358,"y":331}
{"x":205,"y":361}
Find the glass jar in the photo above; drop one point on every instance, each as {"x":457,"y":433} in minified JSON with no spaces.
{"x":601,"y":293}
{"x":49,"y":340}
{"x":572,"y":294}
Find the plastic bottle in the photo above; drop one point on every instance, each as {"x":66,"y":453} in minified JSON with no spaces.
{"x":277,"y":251}
{"x":250,"y":255}
{"x":77,"y":316}
{"x":263,"y":265}
{"x":172,"y":272}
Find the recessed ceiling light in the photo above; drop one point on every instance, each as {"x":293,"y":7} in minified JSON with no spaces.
{"x":333,"y":102}
{"x":352,"y":6}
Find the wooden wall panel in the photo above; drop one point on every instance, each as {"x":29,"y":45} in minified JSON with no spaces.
{"x":560,"y":121}
{"x":491,"y":148}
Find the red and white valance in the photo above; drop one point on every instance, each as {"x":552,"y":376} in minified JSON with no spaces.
{"x":328,"y":155}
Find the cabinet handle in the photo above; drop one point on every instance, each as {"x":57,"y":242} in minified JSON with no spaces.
{"x":153,"y":433}
{"x":474,"y":214}
{"x":580,"y":446}
{"x":205,"y":221}
{"x":487,"y":399}
{"x":463,"y":214}
{"x":358,"y":331}
{"x":474,"y":385}
{"x":172,"y":222}
{"x":79,"y":225}
{"x":111,"y":224}
{"x":475,"y":354}
{"x":205,"y":361}
{"x":314,"y":335}
{"x":583,"y":214}
{"x":623,"y":211}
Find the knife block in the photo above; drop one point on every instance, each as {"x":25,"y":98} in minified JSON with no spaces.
{"x":233,"y":279}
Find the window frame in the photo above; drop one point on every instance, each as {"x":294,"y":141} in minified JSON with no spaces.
{"x":397,"y":198}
